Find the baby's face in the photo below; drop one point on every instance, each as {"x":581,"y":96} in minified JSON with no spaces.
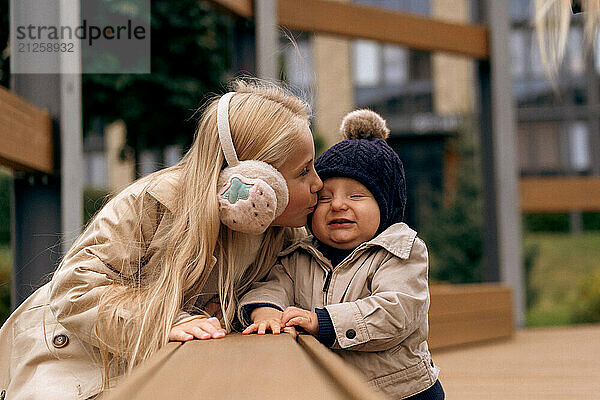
{"x":346,"y":215}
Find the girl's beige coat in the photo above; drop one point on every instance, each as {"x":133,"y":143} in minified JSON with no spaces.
{"x":35,"y":362}
{"x":378,"y":299}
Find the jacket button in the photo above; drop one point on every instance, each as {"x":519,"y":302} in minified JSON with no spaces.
{"x":60,"y":341}
{"x":350,"y":333}
{"x":431,"y":362}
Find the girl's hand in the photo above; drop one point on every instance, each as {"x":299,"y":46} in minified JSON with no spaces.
{"x":307,"y":320}
{"x":199,"y":328}
{"x":264,"y":318}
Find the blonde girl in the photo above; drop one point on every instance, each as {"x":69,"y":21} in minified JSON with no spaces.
{"x":147,"y":267}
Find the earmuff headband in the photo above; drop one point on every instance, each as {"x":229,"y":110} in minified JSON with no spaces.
{"x":224,"y":131}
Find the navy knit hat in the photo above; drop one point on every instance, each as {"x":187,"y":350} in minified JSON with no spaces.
{"x":366,"y":157}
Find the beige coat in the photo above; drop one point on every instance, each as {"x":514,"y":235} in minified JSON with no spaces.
{"x":378,"y":299}
{"x":46,"y":346}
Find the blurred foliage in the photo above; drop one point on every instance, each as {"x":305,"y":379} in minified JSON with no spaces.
{"x":591,"y":221}
{"x":4,"y":52}
{"x":5,"y":277}
{"x":550,"y":222}
{"x":190,"y":55}
{"x":558,"y":222}
{"x":587,"y":303}
{"x":454,"y":232}
{"x":564,"y":277}
{"x":530,"y":253}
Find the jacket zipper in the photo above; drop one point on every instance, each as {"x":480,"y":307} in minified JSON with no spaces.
{"x":326,"y":286}
{"x":328,"y":277}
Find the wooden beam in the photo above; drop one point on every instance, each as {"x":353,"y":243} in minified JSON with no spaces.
{"x":25,"y":135}
{"x":560,"y":194}
{"x":349,"y":380}
{"x":243,"y":8}
{"x":253,"y":367}
{"x":357,"y":21}
{"x":374,"y":23}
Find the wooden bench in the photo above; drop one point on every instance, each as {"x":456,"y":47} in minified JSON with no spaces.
{"x":461,"y":314}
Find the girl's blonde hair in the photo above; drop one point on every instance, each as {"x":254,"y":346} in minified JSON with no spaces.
{"x":552,"y":19}
{"x":265,"y":121}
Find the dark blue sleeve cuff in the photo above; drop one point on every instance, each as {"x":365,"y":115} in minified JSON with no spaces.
{"x":326,"y":331}
{"x":247,"y":310}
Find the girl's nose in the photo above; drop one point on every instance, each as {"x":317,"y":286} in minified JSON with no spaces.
{"x":317,"y":184}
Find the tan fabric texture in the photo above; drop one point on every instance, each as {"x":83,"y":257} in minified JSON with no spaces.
{"x":35,"y":362}
{"x":378,"y":299}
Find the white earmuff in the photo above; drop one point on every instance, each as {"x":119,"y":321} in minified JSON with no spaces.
{"x":251,"y":193}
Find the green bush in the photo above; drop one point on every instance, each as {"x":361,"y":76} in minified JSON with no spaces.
{"x":591,"y":221}
{"x":455,"y":228}
{"x":587,"y":305}
{"x":530,"y":254}
{"x":555,"y":222}
{"x":5,"y":275}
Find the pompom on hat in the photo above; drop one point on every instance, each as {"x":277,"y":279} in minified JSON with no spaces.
{"x":365,"y":156}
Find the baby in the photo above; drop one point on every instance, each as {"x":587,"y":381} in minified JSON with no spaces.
{"x":360,"y":284}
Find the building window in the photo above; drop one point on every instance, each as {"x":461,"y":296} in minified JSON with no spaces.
{"x":299,"y":64}
{"x":395,"y":63}
{"x":575,"y":46}
{"x":421,"y":7}
{"x":535,"y":61}
{"x":521,"y":10}
{"x":420,"y":65}
{"x":540,"y":148}
{"x":367,"y":63}
{"x":579,"y":146}
{"x":518,"y":50}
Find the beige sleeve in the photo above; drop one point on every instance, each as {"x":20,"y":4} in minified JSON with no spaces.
{"x":110,"y":251}
{"x":276,"y":289}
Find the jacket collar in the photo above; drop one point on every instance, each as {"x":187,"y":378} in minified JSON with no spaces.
{"x":397,"y":239}
{"x":167,"y":191}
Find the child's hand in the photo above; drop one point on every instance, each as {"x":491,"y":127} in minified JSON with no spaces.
{"x":199,"y":328}
{"x":264,"y":318}
{"x":294,"y":316}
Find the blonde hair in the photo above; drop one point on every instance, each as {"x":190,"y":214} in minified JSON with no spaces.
{"x":265,"y":121}
{"x":552,"y":19}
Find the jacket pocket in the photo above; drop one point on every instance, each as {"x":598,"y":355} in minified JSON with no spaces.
{"x":50,"y":362}
{"x":405,"y":382}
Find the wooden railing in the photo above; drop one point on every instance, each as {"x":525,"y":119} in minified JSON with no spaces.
{"x":246,"y":367}
{"x":374,"y":23}
{"x":560,"y":194}
{"x":277,"y":366}
{"x":25,"y":135}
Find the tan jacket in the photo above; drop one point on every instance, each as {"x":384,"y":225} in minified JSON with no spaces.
{"x":378,"y":299}
{"x":46,"y":346}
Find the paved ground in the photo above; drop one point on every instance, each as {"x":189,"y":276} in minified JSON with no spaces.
{"x":544,"y":364}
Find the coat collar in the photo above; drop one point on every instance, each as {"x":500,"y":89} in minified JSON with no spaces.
{"x":166,"y":191}
{"x":397,"y":239}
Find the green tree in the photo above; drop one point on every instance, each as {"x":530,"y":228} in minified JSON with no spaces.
{"x":190,"y":53}
{"x":454,"y":232}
